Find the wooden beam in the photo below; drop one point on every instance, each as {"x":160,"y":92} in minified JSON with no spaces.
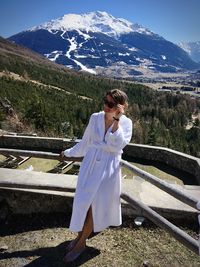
{"x":35,"y":186}
{"x":179,"y":234}
{"x":189,"y":200}
{"x":36,"y":154}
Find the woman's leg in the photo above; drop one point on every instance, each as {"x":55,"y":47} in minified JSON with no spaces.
{"x":87,"y":230}
{"x":74,"y":241}
{"x":81,"y":239}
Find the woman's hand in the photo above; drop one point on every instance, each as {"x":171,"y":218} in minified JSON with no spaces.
{"x":120,"y":111}
{"x":62,"y":156}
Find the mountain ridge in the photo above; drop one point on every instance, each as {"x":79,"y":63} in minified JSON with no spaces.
{"x":97,"y":40}
{"x":99,"y":21}
{"x":192,"y":48}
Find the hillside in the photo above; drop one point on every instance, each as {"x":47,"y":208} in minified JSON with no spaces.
{"x":41,"y":96}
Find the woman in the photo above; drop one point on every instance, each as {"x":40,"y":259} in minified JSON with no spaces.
{"x":97,"y":198}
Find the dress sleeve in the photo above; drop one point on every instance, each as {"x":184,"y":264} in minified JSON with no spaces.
{"x":80,"y":149}
{"x":121,"y":137}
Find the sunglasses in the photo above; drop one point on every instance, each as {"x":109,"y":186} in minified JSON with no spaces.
{"x":108,"y":103}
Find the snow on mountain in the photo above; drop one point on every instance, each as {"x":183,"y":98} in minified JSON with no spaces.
{"x":192,"y":48}
{"x":95,"y":22}
{"x":185,"y":47}
{"x":95,"y":41}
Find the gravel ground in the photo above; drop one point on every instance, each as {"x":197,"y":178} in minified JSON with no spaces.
{"x":41,"y":240}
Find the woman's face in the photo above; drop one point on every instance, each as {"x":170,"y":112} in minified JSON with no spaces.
{"x":109,"y":104}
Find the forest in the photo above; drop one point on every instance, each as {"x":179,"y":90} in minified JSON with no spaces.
{"x":159,"y":118}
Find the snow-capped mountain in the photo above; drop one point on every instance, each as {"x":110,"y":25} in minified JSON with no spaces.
{"x":193,"y":49}
{"x":97,"y":41}
{"x":93,"y":22}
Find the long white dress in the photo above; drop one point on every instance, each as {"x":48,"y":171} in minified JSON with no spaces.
{"x":99,"y":179}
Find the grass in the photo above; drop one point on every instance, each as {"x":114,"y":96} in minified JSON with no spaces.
{"x":40,"y":240}
{"x":159,"y":173}
{"x":152,"y":170}
{"x":42,"y":165}
{"x":2,"y":158}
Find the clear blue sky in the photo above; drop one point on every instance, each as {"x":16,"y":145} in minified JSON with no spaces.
{"x":175,"y":20}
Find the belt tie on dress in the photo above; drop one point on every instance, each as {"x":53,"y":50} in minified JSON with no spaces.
{"x":98,"y":146}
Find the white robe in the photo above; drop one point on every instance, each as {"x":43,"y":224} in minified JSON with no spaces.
{"x":99,"y":179}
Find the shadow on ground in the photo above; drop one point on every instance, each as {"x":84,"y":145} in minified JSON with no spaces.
{"x":19,"y":223}
{"x":51,"y":256}
{"x":127,"y":239}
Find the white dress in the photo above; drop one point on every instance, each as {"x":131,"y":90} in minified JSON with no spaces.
{"x":99,"y":179}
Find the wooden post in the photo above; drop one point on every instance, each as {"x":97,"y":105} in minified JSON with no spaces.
{"x":198,"y":207}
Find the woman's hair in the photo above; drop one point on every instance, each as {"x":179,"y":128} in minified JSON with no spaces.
{"x":118,"y":96}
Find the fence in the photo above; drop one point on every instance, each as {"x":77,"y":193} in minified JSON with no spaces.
{"x":175,"y":231}
{"x":180,"y":235}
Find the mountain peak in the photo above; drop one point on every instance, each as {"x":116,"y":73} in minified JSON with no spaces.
{"x":192,"y":48}
{"x":97,"y":41}
{"x":98,"y":21}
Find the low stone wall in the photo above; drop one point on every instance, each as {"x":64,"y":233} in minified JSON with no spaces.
{"x":14,"y":201}
{"x":178,"y":160}
{"x":164,"y":155}
{"x":28,"y":202}
{"x":35,"y":143}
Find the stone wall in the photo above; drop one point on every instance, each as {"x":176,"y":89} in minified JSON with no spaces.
{"x":28,"y":202}
{"x":13,"y":201}
{"x":175,"y":159}
{"x":164,"y":155}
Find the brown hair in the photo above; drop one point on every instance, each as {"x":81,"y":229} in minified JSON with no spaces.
{"x":118,"y":96}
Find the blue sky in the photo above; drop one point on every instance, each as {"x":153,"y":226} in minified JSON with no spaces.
{"x":175,"y":20}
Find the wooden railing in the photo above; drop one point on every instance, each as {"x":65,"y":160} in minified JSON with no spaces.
{"x":179,"y":234}
{"x":175,"y":231}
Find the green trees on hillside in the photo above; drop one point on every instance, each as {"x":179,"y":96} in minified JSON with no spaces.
{"x":48,"y":110}
{"x":159,"y":118}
